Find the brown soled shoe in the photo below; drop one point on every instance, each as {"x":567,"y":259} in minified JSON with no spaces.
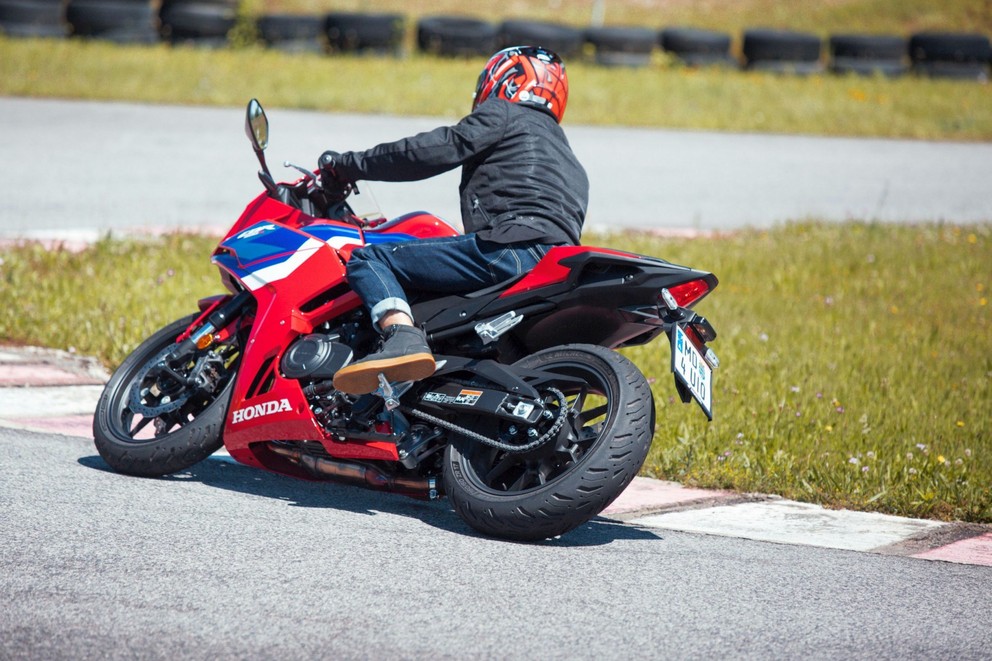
{"x":404,"y":356}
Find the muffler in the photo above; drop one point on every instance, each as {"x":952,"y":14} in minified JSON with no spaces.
{"x":362,"y":475}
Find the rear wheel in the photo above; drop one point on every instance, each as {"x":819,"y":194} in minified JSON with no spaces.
{"x":160,"y":414}
{"x":570,"y":479}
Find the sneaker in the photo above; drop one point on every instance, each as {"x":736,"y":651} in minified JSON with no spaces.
{"x":404,"y":356}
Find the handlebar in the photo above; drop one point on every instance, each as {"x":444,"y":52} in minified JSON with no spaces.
{"x":312,"y":196}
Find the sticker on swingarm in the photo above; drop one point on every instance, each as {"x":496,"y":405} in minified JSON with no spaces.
{"x":463,"y":398}
{"x":692,"y":371}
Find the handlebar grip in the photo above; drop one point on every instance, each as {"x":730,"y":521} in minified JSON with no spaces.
{"x":327,"y":161}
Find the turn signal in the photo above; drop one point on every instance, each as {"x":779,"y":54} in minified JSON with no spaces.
{"x":205,"y":341}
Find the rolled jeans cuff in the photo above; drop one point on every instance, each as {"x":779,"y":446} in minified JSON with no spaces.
{"x":386,"y":305}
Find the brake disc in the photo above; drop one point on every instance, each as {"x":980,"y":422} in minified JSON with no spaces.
{"x":136,"y":401}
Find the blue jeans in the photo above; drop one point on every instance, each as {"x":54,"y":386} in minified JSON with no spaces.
{"x":382,"y":273}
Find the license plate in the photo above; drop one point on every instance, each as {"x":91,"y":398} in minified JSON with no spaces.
{"x":692,"y":370}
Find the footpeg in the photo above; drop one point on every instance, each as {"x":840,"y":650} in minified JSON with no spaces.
{"x":391,"y":392}
{"x":489,"y":331}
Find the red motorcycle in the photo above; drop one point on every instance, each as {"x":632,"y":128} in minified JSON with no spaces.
{"x":532,"y":423}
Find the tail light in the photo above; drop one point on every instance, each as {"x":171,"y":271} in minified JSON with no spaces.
{"x":686,"y":293}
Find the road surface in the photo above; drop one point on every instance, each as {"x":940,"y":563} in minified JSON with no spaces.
{"x":70,"y":165}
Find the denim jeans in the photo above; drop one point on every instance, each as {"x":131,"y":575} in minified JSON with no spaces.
{"x":382,"y":274}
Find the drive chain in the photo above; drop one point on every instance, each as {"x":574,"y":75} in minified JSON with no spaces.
{"x":499,"y":445}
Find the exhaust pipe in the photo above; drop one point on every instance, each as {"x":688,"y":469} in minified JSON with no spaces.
{"x":369,"y":477}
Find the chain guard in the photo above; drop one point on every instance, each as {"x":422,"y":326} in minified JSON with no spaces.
{"x":491,"y":442}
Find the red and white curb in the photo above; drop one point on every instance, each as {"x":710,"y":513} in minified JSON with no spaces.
{"x":56,"y":392}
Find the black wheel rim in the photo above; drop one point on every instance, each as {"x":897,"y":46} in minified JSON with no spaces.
{"x":590,"y":417}
{"x":150,"y":402}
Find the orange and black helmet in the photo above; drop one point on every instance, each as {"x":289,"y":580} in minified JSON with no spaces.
{"x":528,"y":75}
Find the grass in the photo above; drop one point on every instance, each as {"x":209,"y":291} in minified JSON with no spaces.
{"x":662,"y":95}
{"x":659,"y":96}
{"x":857,"y":369}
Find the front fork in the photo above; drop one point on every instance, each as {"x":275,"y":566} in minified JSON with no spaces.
{"x":202,"y":332}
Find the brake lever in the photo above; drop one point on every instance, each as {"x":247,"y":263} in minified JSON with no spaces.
{"x":306,"y":173}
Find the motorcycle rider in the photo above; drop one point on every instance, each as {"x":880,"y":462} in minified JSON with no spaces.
{"x":522,"y":191}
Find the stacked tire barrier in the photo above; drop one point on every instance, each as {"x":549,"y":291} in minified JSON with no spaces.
{"x":198,"y":22}
{"x":292,"y":33}
{"x":695,"y":48}
{"x":565,"y":40}
{"x":33,"y":18}
{"x":457,"y":36}
{"x":782,"y":51}
{"x":943,"y":55}
{"x":964,"y":56}
{"x":869,"y":55}
{"x":380,"y":34}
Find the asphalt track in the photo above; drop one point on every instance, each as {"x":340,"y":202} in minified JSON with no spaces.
{"x":69,"y":167}
{"x":226,"y":562}
{"x":49,"y":391}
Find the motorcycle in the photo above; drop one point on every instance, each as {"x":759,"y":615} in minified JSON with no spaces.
{"x":531,"y":424}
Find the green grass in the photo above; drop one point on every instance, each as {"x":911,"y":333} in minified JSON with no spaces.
{"x":857,"y":360}
{"x":659,"y":96}
{"x":662,"y":95}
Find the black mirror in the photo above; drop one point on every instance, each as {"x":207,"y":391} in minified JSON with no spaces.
{"x":257,"y":126}
{"x":257,"y":129}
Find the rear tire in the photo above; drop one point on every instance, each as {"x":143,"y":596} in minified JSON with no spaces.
{"x":181,"y":438}
{"x":569,"y":480}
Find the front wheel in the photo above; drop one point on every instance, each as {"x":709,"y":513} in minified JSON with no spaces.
{"x":546,"y":492}
{"x":162,"y":413}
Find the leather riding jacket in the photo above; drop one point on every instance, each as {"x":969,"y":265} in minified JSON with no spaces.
{"x":520,"y":179}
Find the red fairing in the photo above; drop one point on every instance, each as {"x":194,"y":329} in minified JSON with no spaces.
{"x":264,"y":207}
{"x":550,"y":271}
{"x":419,"y":224}
{"x":265,"y":405}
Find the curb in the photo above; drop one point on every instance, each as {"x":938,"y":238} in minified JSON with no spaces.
{"x":55,"y":392}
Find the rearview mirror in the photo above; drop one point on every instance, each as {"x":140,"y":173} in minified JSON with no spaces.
{"x":257,"y":126}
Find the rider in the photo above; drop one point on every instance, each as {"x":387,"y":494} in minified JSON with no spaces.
{"x":522,"y":192}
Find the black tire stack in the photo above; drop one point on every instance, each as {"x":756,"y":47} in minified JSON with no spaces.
{"x":198,"y":22}
{"x":622,"y":46}
{"x":697,"y":48}
{"x":959,"y":56}
{"x":868,"y":54}
{"x":782,"y":51}
{"x":457,"y":36}
{"x":120,"y":21}
{"x":562,"y":39}
{"x":33,"y":18}
{"x":380,"y":34}
{"x":292,"y":33}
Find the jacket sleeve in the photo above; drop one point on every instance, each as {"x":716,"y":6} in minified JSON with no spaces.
{"x":427,"y":154}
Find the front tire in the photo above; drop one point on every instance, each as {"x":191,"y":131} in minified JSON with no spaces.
{"x":561,"y":485}
{"x":140,"y":430}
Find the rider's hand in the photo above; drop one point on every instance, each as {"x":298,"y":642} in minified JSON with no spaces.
{"x":328,"y":160}
{"x":334,"y":185}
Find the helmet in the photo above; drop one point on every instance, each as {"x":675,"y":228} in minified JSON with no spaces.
{"x":528,"y":75}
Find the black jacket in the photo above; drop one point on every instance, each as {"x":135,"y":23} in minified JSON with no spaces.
{"x":520,"y":179}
